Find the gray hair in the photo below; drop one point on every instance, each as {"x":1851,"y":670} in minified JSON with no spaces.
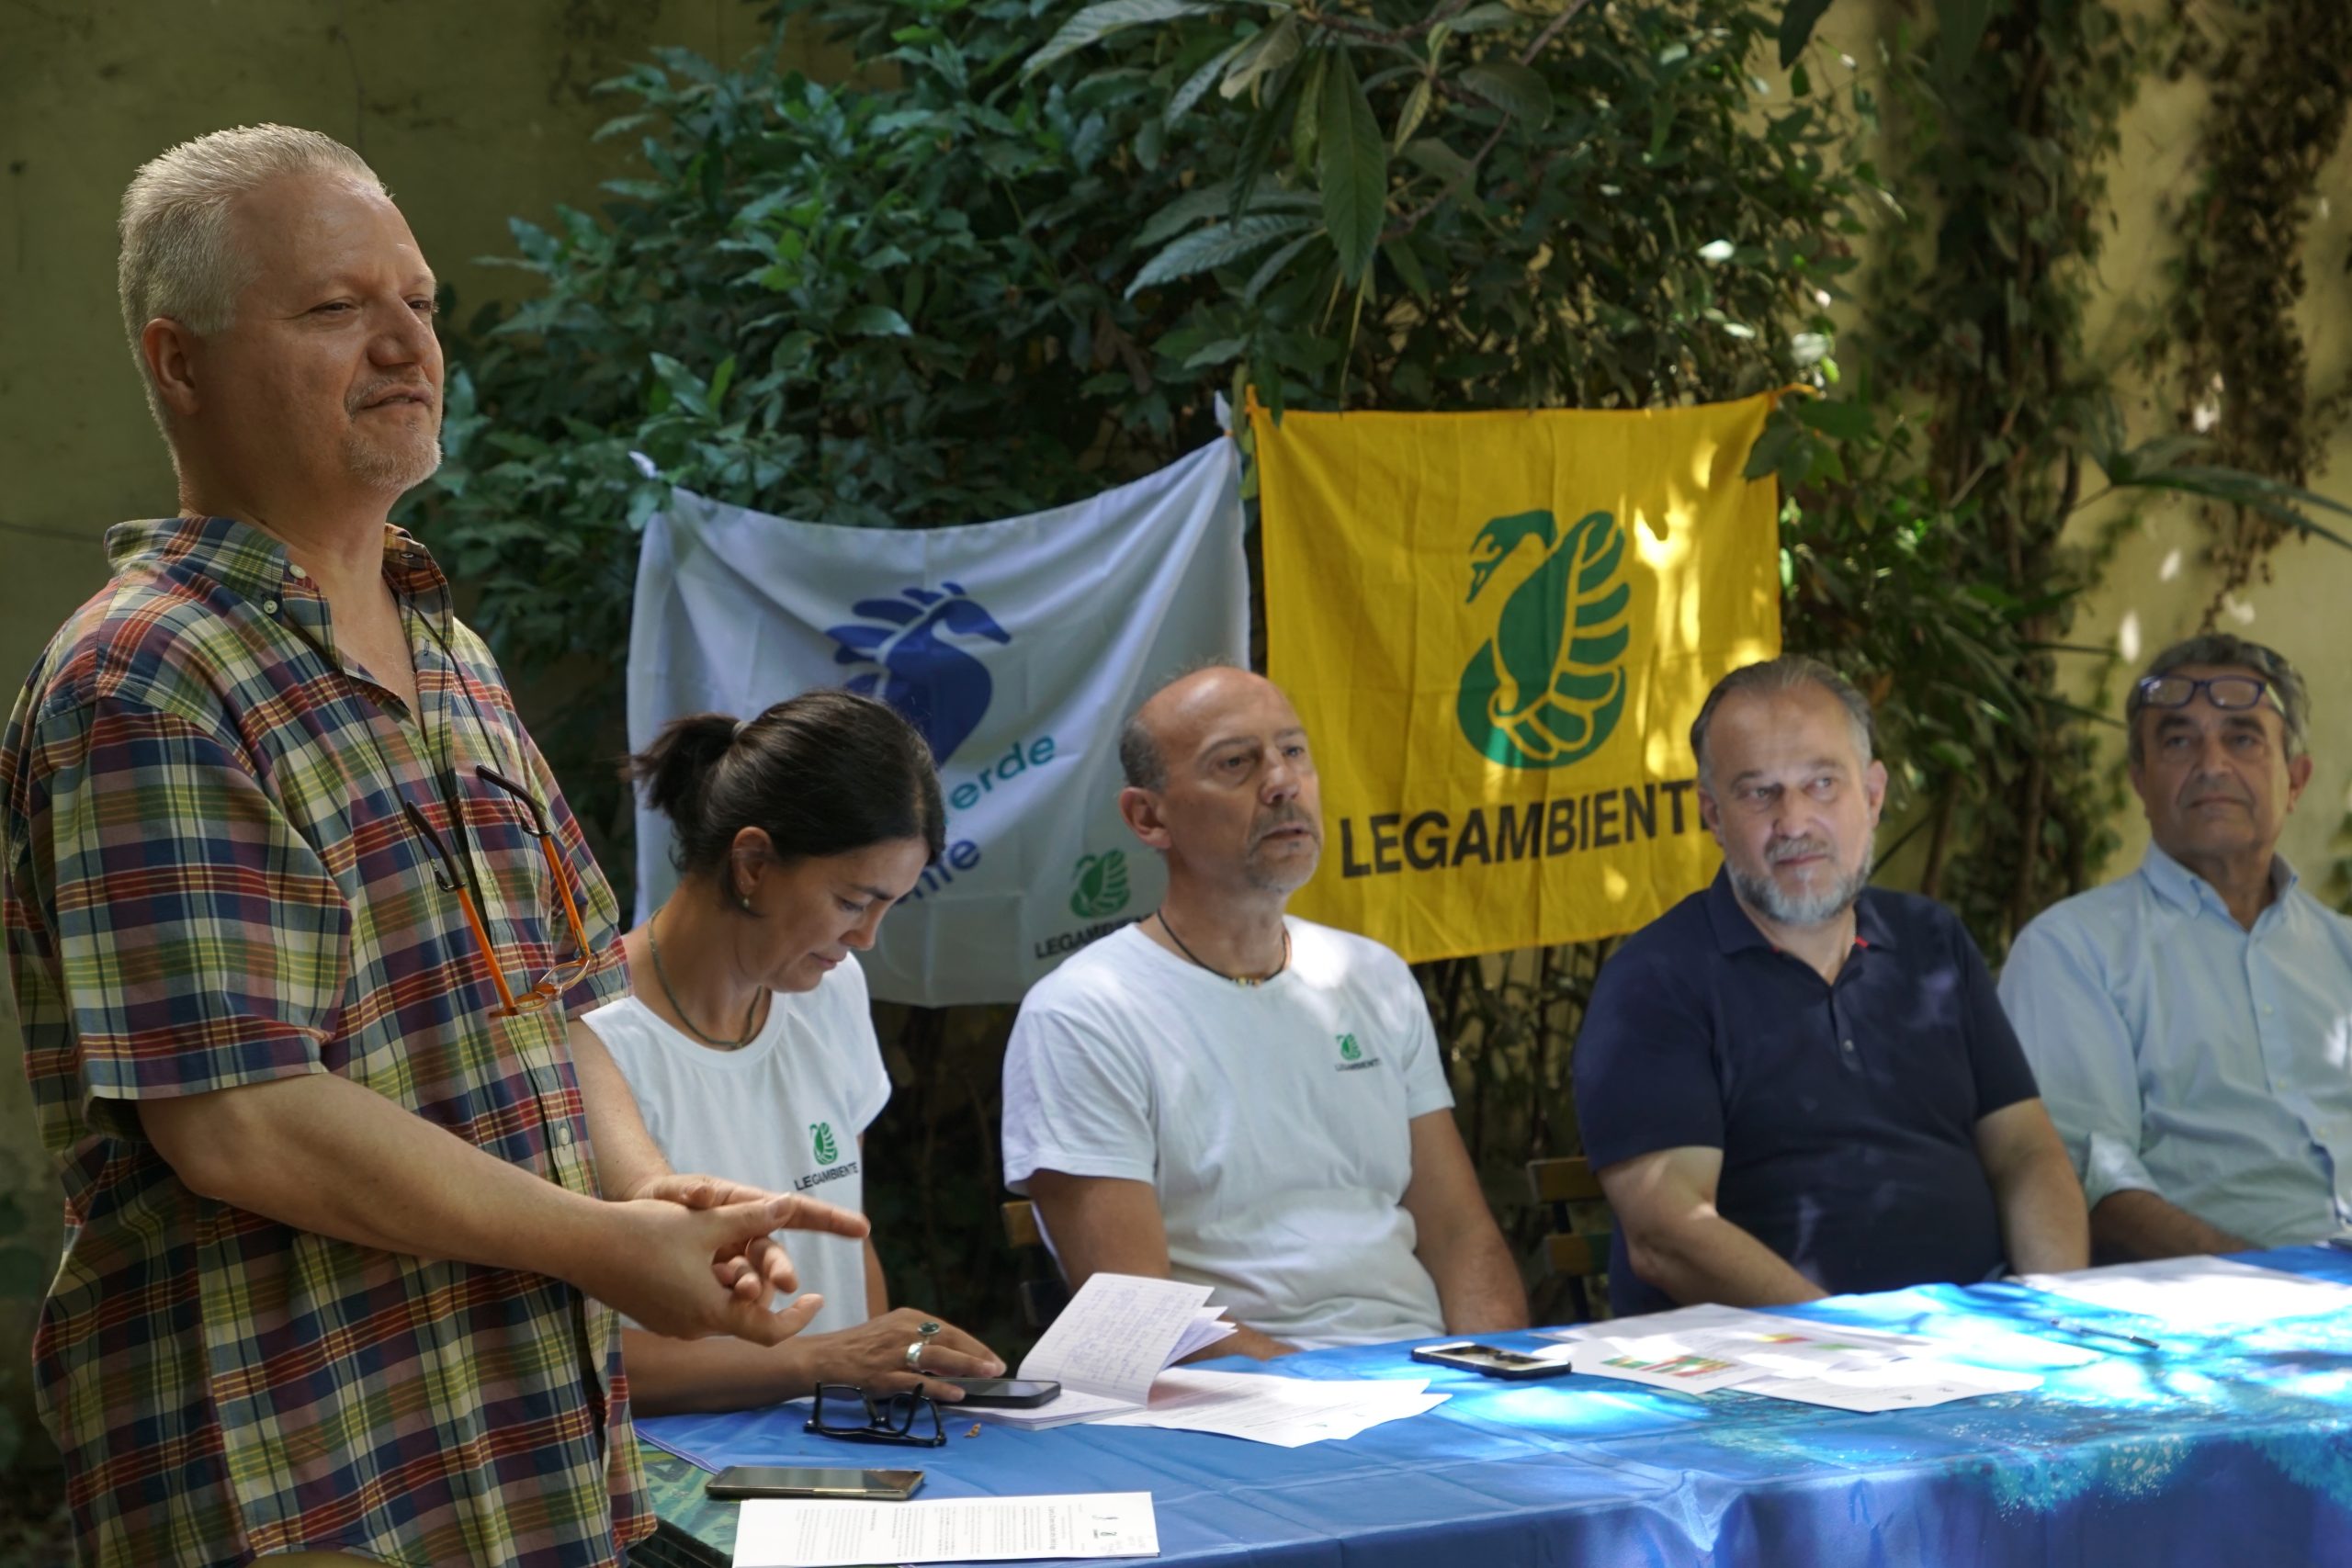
{"x":1140,"y":757}
{"x":178,"y":258}
{"x":1772,"y":676}
{"x":2287,"y":688}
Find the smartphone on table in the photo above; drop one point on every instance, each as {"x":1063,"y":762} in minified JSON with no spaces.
{"x":1515,"y":1366}
{"x":792,"y":1481}
{"x":1009,"y":1394}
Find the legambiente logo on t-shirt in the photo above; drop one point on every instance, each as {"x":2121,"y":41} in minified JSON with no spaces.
{"x":1351,"y":1056}
{"x":823,"y":1147}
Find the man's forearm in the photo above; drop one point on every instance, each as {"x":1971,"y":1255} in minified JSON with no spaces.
{"x":1478,"y":1288}
{"x":322,"y":1154}
{"x":2044,"y":1228}
{"x":1707,"y":1259}
{"x":2135,"y":1222}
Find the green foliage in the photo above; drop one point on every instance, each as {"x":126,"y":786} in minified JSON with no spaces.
{"x":996,"y":274}
{"x":2280,"y":103}
{"x":1966,"y":451}
{"x":1011,"y":277}
{"x":1015,"y":260}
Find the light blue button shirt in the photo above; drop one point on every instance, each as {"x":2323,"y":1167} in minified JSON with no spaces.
{"x":2182,"y":1054}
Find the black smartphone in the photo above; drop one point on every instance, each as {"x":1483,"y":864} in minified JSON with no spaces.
{"x":1010,"y":1394}
{"x":782,"y":1480}
{"x":1516,"y":1366}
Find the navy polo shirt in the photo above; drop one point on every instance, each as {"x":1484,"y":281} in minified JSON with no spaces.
{"x":1846,"y":1112}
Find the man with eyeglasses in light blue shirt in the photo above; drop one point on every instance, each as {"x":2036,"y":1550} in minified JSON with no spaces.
{"x":2191,"y":1024}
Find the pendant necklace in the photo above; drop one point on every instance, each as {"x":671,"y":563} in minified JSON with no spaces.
{"x":1161,"y":915}
{"x":751,"y":1017}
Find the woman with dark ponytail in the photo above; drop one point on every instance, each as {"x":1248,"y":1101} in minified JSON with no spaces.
{"x":749,"y":1040}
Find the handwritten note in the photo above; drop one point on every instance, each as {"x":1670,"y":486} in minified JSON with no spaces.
{"x":1117,"y":1334}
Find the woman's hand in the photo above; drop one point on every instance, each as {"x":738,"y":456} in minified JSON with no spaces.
{"x":873,"y":1356}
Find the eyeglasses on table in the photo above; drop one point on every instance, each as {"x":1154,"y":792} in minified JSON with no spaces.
{"x":849,"y":1413}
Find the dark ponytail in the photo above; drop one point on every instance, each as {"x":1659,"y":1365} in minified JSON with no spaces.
{"x":823,"y":773}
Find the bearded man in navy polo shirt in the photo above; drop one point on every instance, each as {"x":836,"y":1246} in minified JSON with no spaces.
{"x":1793,"y":1085}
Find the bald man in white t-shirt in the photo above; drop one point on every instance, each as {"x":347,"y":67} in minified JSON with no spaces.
{"x":1226,"y":1094}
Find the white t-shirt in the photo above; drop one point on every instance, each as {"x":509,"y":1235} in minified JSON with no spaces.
{"x":784,"y":1113}
{"x":1271,"y":1121}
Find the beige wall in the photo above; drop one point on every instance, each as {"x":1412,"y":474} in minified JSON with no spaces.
{"x":2158,"y":586}
{"x":471,"y":110}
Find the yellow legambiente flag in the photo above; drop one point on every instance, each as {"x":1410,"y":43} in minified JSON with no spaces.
{"x":1497,"y":628}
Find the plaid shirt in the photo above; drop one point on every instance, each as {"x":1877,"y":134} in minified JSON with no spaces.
{"x":210,"y":883}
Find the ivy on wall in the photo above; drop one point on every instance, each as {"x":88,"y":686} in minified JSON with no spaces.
{"x":2282,"y":86}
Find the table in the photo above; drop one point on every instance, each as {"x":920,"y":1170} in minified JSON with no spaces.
{"x":2234,"y":1449}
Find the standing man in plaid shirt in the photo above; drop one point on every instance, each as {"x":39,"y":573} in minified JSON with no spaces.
{"x":298,"y":922}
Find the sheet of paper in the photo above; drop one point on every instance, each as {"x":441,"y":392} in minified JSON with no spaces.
{"x":1742,"y":1324}
{"x":1286,"y":1412}
{"x":1059,"y":1411}
{"x":1901,"y":1385}
{"x":823,"y":1533}
{"x":1208,"y":1326}
{"x":1781,"y":1358}
{"x":2201,"y":1294}
{"x":1115,"y":1334}
{"x":1663,"y":1361}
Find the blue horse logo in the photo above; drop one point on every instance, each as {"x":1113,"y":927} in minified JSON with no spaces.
{"x":942,"y":691}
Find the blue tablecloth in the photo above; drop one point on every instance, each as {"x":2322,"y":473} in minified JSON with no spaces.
{"x":2232,"y":1449}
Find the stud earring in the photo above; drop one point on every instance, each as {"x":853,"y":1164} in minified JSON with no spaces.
{"x":743,"y":902}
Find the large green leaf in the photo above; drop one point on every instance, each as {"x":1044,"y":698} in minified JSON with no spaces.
{"x":2285,"y":504}
{"x":1215,"y":246}
{"x":1099,"y":22}
{"x":1354,"y":171}
{"x":1410,"y":118}
{"x":1960,"y":27}
{"x":1210,"y":200}
{"x":1513,"y":88}
{"x":876,"y":321}
{"x":1266,"y":54}
{"x":1796,"y":27}
{"x":1197,"y":84}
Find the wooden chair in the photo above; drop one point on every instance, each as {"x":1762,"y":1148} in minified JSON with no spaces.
{"x":1580,"y":1255}
{"x":1043,"y":1295}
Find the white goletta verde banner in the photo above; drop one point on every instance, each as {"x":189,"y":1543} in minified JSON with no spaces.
{"x":1017,"y":648}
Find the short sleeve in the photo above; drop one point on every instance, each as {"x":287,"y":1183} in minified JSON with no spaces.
{"x":1995,"y":1058}
{"x":1423,"y":1058}
{"x":1645,"y":1065}
{"x":1076,"y":1100}
{"x":201,"y":942}
{"x":2082,"y":1054}
{"x":868,"y":1078}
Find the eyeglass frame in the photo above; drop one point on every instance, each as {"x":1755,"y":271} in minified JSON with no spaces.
{"x":2147,"y":687}
{"x":452,"y":879}
{"x":875,"y":1429}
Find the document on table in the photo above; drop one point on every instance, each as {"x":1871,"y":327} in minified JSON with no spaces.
{"x":826,"y":1532}
{"x":1108,"y":1345}
{"x":1700,"y":1350}
{"x":2198,"y":1294}
{"x":1286,"y":1412}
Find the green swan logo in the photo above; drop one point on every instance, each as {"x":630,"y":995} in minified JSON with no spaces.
{"x":820,"y":1143}
{"x":1548,"y":687}
{"x":1101,"y":885}
{"x":1348,"y":1050}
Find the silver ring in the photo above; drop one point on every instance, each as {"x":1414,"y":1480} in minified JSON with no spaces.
{"x":927,"y":1328}
{"x":915,"y":1355}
